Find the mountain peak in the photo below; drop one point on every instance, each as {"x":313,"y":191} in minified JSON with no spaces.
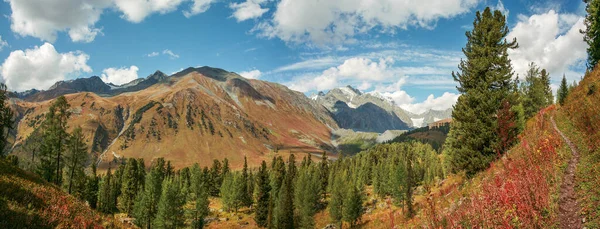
{"x":350,"y":90}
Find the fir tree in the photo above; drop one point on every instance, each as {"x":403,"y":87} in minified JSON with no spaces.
{"x":262,"y":195}
{"x":54,"y":137}
{"x":146,"y":204}
{"x":246,"y":195}
{"x":76,"y":158}
{"x":91,"y":188}
{"x":592,"y":32}
{"x":563,"y":91}
{"x":484,"y":81}
{"x":170,"y":212}
{"x":307,"y":196}
{"x":353,"y":208}
{"x":129,"y":186}
{"x":105,"y":202}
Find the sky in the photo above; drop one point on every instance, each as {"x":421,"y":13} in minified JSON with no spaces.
{"x":405,"y":50}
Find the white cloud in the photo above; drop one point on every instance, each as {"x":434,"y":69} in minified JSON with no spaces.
{"x":170,"y":54}
{"x":120,"y":76}
{"x":248,"y":10}
{"x":137,"y":10}
{"x":3,"y":43}
{"x":336,"y":22}
{"x":44,"y":20}
{"x":41,"y":67}
{"x":500,"y":6}
{"x":552,"y":41}
{"x":198,"y":7}
{"x":447,"y":100}
{"x":153,"y":54}
{"x":254,"y":74}
{"x":309,"y":64}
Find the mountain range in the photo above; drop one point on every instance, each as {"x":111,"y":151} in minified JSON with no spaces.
{"x":201,"y":114}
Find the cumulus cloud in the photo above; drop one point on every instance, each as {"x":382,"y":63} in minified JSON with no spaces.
{"x":198,"y":7}
{"x":45,"y":19}
{"x":3,"y":43}
{"x":447,"y":100}
{"x":137,"y":10}
{"x":254,"y":74}
{"x":32,"y":18}
{"x":120,"y":76}
{"x":248,"y":10}
{"x":335,"y":22}
{"x":552,"y":41}
{"x":41,"y":67}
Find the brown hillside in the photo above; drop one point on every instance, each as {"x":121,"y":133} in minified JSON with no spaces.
{"x":196,"y":116}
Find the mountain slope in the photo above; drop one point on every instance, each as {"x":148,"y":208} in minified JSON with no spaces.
{"x":26,"y":201}
{"x":197,"y":115}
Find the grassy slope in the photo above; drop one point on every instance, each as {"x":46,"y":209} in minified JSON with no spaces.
{"x":26,"y":201}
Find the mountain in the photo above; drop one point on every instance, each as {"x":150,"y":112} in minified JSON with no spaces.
{"x":354,"y":99}
{"x":92,"y":84}
{"x":196,"y":115}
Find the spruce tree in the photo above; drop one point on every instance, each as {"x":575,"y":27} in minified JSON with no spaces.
{"x":484,"y":81}
{"x":338,"y":197}
{"x":146,"y":204}
{"x":246,"y":197}
{"x":284,"y":207}
{"x":170,"y":212}
{"x":592,"y":32}
{"x":215,"y":178}
{"x":6,"y":119}
{"x":129,"y":186}
{"x":563,"y":91}
{"x":76,"y":158}
{"x":263,"y":187}
{"x":105,"y":202}
{"x":307,"y":195}
{"x":324,"y":175}
{"x":91,"y":188}
{"x":54,"y":137}
{"x":353,"y":208}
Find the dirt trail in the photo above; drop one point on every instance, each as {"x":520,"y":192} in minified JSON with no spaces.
{"x":568,"y":210}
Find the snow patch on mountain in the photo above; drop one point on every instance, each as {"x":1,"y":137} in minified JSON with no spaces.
{"x":417,"y":122}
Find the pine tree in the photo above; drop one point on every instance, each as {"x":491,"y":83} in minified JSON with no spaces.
{"x":592,"y":32}
{"x":91,"y":188}
{"x":353,"y":208}
{"x":146,"y":204}
{"x":338,"y":196}
{"x":231,"y":192}
{"x":246,"y":196}
{"x":484,"y":81}
{"x":76,"y":158}
{"x":284,"y":207}
{"x":201,"y":209}
{"x":105,"y":202}
{"x":262,"y":195}
{"x":54,"y":137}
{"x":6,"y":119}
{"x":545,"y":78}
{"x":215,"y":178}
{"x":129,"y":186}
{"x":170,"y":212}
{"x":324,"y":174}
{"x":307,"y":196}
{"x":563,"y":91}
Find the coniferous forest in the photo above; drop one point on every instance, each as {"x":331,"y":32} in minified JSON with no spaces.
{"x":489,"y":119}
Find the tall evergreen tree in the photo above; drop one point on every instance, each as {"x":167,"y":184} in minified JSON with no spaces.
{"x":170,"y":212}
{"x":91,"y":188}
{"x":201,"y":209}
{"x":263,"y":187}
{"x":76,"y":158}
{"x":54,"y":139}
{"x":307,"y":195}
{"x":484,"y":81}
{"x":6,"y":119}
{"x":105,"y":202}
{"x":563,"y":91}
{"x":215,"y":178}
{"x":231,"y":191}
{"x":353,"y":208}
{"x":284,"y":207}
{"x":338,"y":197}
{"x":592,"y":32}
{"x":129,"y":186}
{"x":324,"y":174}
{"x":146,"y":204}
{"x":246,"y":197}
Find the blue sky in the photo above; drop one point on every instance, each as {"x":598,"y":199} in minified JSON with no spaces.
{"x":406,"y":52}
